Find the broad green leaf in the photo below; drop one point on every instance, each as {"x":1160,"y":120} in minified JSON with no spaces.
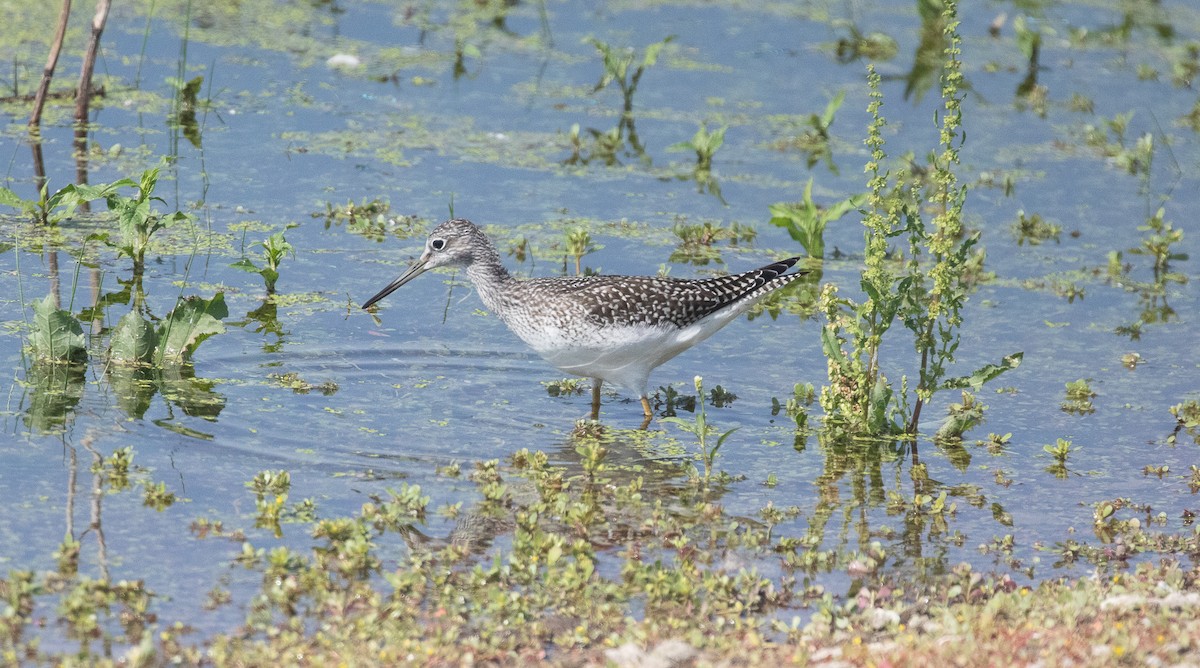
{"x":149,"y":181}
{"x":10,"y":198}
{"x":245,"y":265}
{"x":831,"y":346}
{"x":984,"y":374}
{"x":871,"y":291}
{"x":191,"y":321}
{"x":878,"y":404}
{"x":269,"y":277}
{"x":74,"y":194}
{"x":57,"y":335}
{"x":133,"y":341}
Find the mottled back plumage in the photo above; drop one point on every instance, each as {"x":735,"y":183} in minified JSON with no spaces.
{"x":614,"y":328}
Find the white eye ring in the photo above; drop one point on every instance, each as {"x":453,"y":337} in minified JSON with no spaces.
{"x":437,"y":244}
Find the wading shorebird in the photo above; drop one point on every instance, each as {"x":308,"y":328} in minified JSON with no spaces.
{"x":607,"y":328}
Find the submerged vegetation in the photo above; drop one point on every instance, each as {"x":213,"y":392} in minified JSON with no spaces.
{"x":587,"y":544}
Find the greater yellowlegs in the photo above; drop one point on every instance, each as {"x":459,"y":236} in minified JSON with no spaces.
{"x":607,"y":328}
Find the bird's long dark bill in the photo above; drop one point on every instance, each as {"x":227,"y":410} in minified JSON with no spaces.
{"x":416,"y":269}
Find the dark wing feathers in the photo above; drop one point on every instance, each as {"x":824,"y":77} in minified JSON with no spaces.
{"x":749,"y":285}
{"x":654,"y":300}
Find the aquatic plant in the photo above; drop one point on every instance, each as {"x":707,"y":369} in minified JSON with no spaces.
{"x":47,"y":209}
{"x":617,"y":68}
{"x":137,"y":221}
{"x":579,"y":243}
{"x":184,"y":104}
{"x":274,"y":249}
{"x":270,"y":482}
{"x":697,"y":241}
{"x":55,"y":335}
{"x":815,"y":141}
{"x":620,"y":68}
{"x":1032,"y":229}
{"x":796,"y":406}
{"x":1158,"y":244}
{"x":672,"y":401}
{"x":1059,"y":451}
{"x":928,"y":293}
{"x":699,"y":427}
{"x":1187,"y":419}
{"x":704,"y":144}
{"x":135,"y":341}
{"x":960,"y":418}
{"x":1110,"y":140}
{"x":156,"y":495}
{"x":1079,"y":397}
{"x":805,"y":221}
{"x":875,"y":46}
{"x":368,"y":218}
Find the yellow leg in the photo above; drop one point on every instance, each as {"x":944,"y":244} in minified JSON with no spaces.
{"x":596,"y":383}
{"x":646,"y":408}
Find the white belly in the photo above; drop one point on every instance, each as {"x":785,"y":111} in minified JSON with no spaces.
{"x":621,"y":355}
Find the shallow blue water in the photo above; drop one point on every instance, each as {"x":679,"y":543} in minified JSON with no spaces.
{"x":435,"y":380}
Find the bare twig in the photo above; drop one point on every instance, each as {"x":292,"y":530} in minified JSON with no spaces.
{"x":83,"y":93}
{"x":35,"y":118}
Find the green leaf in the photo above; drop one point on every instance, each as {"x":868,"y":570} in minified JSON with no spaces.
{"x":72,"y":195}
{"x":187,"y":325}
{"x":133,"y":341}
{"x":721,"y":440}
{"x":871,"y":290}
{"x":845,"y":206}
{"x":831,"y":108}
{"x":245,"y":265}
{"x":878,"y":403}
{"x":831,"y":346}
{"x":708,"y":142}
{"x":685,"y":425}
{"x":652,"y":51}
{"x":10,"y":198}
{"x":57,"y":335}
{"x":984,"y":374}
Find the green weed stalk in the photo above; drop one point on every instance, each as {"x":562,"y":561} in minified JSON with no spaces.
{"x":704,"y":433}
{"x":925,"y":291}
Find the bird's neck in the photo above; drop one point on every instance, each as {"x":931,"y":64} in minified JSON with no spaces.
{"x":489,"y":277}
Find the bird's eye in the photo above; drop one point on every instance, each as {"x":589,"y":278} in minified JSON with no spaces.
{"x":437,"y":244}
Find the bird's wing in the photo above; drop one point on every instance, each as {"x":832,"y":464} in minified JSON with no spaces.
{"x":748,"y":285}
{"x":656,"y":300}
